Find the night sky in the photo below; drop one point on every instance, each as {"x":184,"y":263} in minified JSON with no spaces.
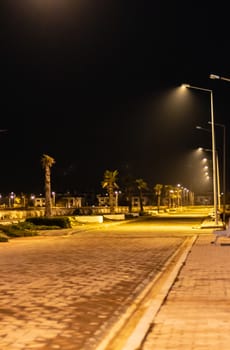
{"x":94,"y":85}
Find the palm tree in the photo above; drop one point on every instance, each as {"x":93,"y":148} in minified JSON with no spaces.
{"x":47,"y":163}
{"x":109,"y":182}
{"x":170,"y":195}
{"x":129,"y":188}
{"x":141,"y":185}
{"x":158,"y":191}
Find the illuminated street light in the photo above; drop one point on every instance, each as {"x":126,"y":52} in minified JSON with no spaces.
{"x":204,"y":160}
{"x":217,"y":171}
{"x":213,"y":146}
{"x":11,"y":199}
{"x":117,"y":198}
{"x":224,"y":165}
{"x":54,"y":200}
{"x":214,"y":76}
{"x":224,"y":168}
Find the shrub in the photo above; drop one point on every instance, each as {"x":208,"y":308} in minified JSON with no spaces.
{"x":58,"y":222}
{"x":3,"y":237}
{"x":21,"y":229}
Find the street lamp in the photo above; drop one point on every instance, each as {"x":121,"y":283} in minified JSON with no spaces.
{"x":224,"y":168}
{"x":54,"y":202}
{"x":217,"y":169}
{"x":117,"y":198}
{"x":214,"y":76}
{"x":213,"y":147}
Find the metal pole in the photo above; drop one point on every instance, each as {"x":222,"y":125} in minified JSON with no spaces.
{"x":224,"y":174}
{"x":218,"y":180}
{"x":213,"y":157}
{"x":217,"y":164}
{"x":224,"y":170}
{"x":213,"y":148}
{"x":214,"y":76}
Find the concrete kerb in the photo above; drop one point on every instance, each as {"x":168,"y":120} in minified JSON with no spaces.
{"x":209,"y":223}
{"x":130,"y":331}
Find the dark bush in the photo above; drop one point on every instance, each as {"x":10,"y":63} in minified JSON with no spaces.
{"x":62,"y":222}
{"x":3,"y":238}
{"x":21,"y":229}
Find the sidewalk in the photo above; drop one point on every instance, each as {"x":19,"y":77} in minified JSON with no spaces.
{"x":196,"y":312}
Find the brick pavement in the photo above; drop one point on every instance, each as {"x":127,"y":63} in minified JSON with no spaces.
{"x":196,"y":313}
{"x":65,"y":292}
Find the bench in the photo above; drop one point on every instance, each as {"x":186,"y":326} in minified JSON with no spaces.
{"x":222,"y":233}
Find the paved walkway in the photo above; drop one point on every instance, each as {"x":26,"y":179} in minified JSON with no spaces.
{"x":196,"y":313}
{"x":194,"y":316}
{"x":65,"y":292}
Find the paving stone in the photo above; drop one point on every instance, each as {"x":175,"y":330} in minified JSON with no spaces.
{"x":195,"y":315}
{"x":67,"y":291}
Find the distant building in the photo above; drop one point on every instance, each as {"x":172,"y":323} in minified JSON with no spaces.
{"x":203,"y":199}
{"x":103,"y":201}
{"x":39,"y":201}
{"x":60,"y":201}
{"x":146,"y":200}
{"x":69,"y":202}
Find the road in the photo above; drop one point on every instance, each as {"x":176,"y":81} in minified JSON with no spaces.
{"x":69,"y":290}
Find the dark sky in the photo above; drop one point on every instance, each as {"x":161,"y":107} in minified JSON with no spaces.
{"x":93,"y":84}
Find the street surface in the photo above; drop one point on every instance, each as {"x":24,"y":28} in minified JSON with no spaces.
{"x":67,"y":290}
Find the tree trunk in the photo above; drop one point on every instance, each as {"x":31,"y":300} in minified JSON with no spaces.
{"x":111,"y":200}
{"x":158,"y":202}
{"x":141,"y":203}
{"x":48,"y":206}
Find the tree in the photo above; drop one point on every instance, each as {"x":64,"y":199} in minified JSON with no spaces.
{"x":141,"y":185}
{"x":158,"y":191}
{"x":47,"y":163}
{"x":129,"y":188}
{"x":109,"y":182}
{"x":171,"y":193}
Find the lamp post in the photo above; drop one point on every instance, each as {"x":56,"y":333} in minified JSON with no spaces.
{"x":224,"y":168}
{"x":217,"y":169}
{"x":116,"y":200}
{"x":215,"y":76}
{"x":213,"y":146}
{"x":54,"y":201}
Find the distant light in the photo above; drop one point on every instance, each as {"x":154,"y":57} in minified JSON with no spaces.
{"x":185,"y":85}
{"x":214,"y":76}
